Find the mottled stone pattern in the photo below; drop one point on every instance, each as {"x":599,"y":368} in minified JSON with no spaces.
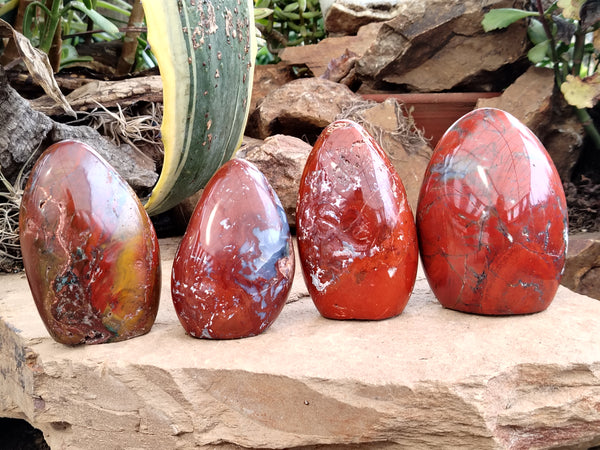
{"x":492,"y":218}
{"x":356,"y":234}
{"x":235,"y":264}
{"x":89,"y":249}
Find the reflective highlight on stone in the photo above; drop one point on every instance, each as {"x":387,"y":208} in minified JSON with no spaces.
{"x":356,"y":234}
{"x":492,"y":218}
{"x":235,"y":264}
{"x":89,"y":249}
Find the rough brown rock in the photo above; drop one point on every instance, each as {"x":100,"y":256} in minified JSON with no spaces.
{"x":439,"y":45}
{"x":266,"y":79}
{"x":301,"y":108}
{"x":564,"y":142}
{"x":429,"y":378}
{"x":543,"y":111}
{"x":582,"y":268}
{"x":347,"y":16}
{"x":317,"y":56}
{"x":342,"y":70}
{"x":26,"y":133}
{"x":533,"y":109}
{"x":281,"y":159}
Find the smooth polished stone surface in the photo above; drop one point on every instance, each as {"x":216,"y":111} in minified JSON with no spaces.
{"x":356,"y":234}
{"x":235,"y":265}
{"x":89,"y":249}
{"x":492,"y":218}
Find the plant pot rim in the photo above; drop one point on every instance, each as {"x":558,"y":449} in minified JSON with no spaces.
{"x":434,"y":112}
{"x":431,"y":97}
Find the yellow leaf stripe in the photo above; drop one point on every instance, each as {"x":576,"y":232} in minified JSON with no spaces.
{"x":205,"y":51}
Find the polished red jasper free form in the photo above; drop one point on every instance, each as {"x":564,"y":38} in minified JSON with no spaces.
{"x":492,"y":218}
{"x":235,"y":264}
{"x":356,"y":234}
{"x":89,"y":249}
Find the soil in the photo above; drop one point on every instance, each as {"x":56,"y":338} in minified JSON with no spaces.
{"x":583,"y":193}
{"x":583,"y":201}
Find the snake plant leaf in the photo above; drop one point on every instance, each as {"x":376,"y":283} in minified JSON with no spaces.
{"x":205,"y":52}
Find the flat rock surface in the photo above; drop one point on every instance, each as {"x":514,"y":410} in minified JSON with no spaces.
{"x":429,"y":378}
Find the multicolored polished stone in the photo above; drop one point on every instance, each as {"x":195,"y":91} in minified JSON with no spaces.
{"x":235,"y":264}
{"x":492,"y":218}
{"x":89,"y":249}
{"x":356,"y":233}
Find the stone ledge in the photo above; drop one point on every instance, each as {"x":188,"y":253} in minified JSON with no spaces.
{"x":428,"y":378}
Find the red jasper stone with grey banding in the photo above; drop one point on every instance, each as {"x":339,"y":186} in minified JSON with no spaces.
{"x":492,"y":218}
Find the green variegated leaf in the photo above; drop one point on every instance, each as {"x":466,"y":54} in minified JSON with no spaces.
{"x":205,"y":52}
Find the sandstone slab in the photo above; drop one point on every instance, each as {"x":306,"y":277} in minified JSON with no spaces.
{"x":429,"y":378}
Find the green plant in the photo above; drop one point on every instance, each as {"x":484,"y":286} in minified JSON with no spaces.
{"x":8,"y":7}
{"x":206,"y":53}
{"x":40,"y":23}
{"x":62,"y":25}
{"x":286,"y":23}
{"x":564,"y":40}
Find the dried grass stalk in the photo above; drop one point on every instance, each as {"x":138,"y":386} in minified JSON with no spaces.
{"x":137,"y":125}
{"x":406,"y":133}
{"x":11,"y":259}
